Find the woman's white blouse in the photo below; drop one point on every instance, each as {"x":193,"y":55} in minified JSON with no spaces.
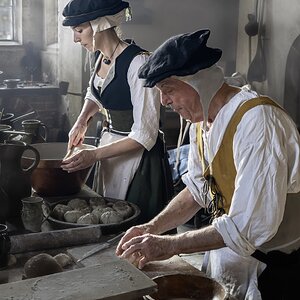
{"x":145,"y":101}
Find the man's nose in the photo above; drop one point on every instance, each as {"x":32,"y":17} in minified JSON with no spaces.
{"x":165,"y":100}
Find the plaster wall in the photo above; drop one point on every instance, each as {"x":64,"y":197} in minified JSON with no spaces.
{"x":154,"y":21}
{"x":282,"y":26}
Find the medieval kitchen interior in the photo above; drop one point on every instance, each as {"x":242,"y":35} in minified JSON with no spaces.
{"x":44,"y":76}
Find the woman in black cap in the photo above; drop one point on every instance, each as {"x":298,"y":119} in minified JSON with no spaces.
{"x":131,"y":152}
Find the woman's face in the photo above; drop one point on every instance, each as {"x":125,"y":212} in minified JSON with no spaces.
{"x":182,"y":98}
{"x":83,"y":34}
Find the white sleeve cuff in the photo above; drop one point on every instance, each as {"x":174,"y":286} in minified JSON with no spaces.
{"x":231,"y":236}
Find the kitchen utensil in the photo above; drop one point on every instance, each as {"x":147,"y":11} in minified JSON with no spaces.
{"x":14,"y":179}
{"x":257,"y":68}
{"x":3,"y":132}
{"x":14,"y":135}
{"x":11,"y":83}
{"x":1,"y":114}
{"x":187,"y":286}
{"x":22,"y":116}
{"x":10,"y":119}
{"x":102,"y":246}
{"x":33,"y":127}
{"x":32,"y":213}
{"x":106,"y":228}
{"x":4,"y":246}
{"x":49,"y":179}
{"x":55,"y":239}
{"x":111,"y":280}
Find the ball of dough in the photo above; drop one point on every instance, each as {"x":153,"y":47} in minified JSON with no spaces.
{"x":63,"y":259}
{"x":110,"y":217}
{"x":88,"y":219}
{"x":72,"y":216}
{"x":40,"y":265}
{"x":59,"y":210}
{"x":97,"y":202}
{"x":123,"y":208}
{"x":98,"y":211}
{"x":85,"y":210}
{"x":77,"y":203}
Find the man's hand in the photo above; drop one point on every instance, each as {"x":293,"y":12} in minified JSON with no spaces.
{"x":148,"y":247}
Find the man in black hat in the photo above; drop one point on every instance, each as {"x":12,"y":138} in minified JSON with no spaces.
{"x":244,"y":168}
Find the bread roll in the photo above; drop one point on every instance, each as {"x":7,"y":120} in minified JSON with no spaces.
{"x":88,"y":219}
{"x":72,"y":216}
{"x":123,"y":208}
{"x":59,"y":210}
{"x":40,"y":265}
{"x":96,"y":202}
{"x":63,"y":259}
{"x":77,"y":203}
{"x":110,"y":217}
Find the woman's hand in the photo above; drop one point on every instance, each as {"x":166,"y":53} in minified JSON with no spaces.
{"x":81,"y":160}
{"x":77,"y":133}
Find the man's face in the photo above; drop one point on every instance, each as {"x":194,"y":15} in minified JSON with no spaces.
{"x":83,"y":34}
{"x":182,"y":98}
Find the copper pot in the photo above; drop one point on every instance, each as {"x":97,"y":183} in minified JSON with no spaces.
{"x":188,"y":286}
{"x":48,"y":179}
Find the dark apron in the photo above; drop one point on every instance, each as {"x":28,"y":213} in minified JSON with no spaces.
{"x":281,"y":278}
{"x":152,"y":188}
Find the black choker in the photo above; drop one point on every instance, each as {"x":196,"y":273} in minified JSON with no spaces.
{"x":107,"y":60}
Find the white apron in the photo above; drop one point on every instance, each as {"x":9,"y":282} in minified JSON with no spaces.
{"x":114,"y":175}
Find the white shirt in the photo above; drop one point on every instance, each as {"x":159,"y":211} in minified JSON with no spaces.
{"x":266,"y":149}
{"x":145,"y":102}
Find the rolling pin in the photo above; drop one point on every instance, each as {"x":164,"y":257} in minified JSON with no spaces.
{"x":55,"y":239}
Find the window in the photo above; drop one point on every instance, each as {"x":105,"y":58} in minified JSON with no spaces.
{"x":10,"y":20}
{"x":51,"y":22}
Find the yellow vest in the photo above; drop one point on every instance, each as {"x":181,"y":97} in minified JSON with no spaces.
{"x":221,"y":182}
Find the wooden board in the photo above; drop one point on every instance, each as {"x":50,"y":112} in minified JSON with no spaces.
{"x":113,"y":280}
{"x":173,"y":265}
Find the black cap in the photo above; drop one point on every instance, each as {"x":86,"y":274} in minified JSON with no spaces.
{"x":80,"y":11}
{"x":181,"y":55}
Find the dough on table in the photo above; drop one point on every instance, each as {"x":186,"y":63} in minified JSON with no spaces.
{"x":40,"y":265}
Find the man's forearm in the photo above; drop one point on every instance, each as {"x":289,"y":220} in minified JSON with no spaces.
{"x":182,"y":208}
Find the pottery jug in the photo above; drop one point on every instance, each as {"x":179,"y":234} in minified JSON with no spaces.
{"x":33,"y":127}
{"x":32,"y":213}
{"x":4,"y":246}
{"x":15,"y":180}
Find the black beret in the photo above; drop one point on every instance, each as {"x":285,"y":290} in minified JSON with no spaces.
{"x":181,"y":55}
{"x":77,"y":12}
